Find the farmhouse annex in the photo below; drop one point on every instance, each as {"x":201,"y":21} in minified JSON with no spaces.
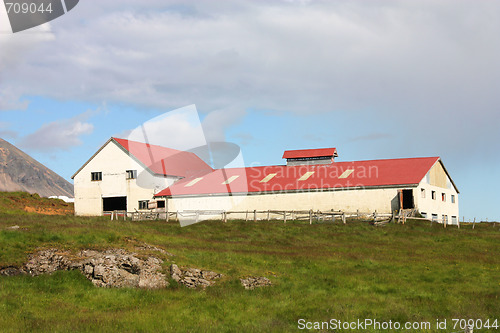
{"x":133,"y":176}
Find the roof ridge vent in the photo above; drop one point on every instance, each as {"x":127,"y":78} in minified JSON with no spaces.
{"x":310,"y":156}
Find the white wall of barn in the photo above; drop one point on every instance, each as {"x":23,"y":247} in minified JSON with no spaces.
{"x":429,"y":206}
{"x":382,"y":200}
{"x":113,"y":162}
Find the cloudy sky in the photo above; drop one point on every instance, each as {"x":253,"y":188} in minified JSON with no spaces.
{"x":376,"y":79}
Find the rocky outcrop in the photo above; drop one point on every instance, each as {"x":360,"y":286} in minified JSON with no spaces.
{"x":111,"y":268}
{"x":10,"y":271}
{"x":47,"y":262}
{"x":193,"y":277}
{"x":119,"y":268}
{"x":255,"y":282}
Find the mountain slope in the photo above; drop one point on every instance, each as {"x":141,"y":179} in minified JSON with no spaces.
{"x":20,"y":172}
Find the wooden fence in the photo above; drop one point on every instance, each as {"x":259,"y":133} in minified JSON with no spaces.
{"x":253,"y":215}
{"x":284,"y":215}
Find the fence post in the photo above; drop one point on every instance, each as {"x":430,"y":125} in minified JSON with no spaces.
{"x":310,"y":216}
{"x":255,"y":215}
{"x":343,"y":217}
{"x":474,"y":224}
{"x":246,"y":216}
{"x":268,"y":215}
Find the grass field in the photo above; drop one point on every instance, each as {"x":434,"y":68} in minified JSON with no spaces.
{"x":403,"y":273}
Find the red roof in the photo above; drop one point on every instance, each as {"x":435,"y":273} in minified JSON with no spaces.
{"x":308,"y":153}
{"x":165,"y":161}
{"x":375,"y":173}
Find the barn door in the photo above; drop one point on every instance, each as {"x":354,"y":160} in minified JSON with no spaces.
{"x":406,"y":199}
{"x":111,"y":204}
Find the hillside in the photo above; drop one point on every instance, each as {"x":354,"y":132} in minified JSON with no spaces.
{"x":23,"y":202}
{"x":20,"y":172}
{"x":414,"y":273}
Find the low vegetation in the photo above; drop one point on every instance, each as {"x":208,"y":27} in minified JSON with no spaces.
{"x":405,"y":273}
{"x":23,"y":203}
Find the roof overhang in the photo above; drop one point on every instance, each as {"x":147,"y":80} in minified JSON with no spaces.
{"x":126,"y":152}
{"x":309,"y":190}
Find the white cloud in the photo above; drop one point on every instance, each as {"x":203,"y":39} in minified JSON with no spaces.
{"x":217,"y":122}
{"x":5,"y":132}
{"x":178,"y":129}
{"x":61,"y":134}
{"x":426,"y":64}
{"x":16,"y":49}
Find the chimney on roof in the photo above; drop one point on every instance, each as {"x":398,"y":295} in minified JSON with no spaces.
{"x":310,"y":156}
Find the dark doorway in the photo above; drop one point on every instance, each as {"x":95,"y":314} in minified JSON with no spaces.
{"x":408,"y":199}
{"x":114,"y":203}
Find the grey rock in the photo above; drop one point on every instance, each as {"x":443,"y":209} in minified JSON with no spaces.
{"x":193,"y":277}
{"x":10,"y":271}
{"x":111,"y":268}
{"x":47,"y":262}
{"x":253,"y":282}
{"x":175,"y":272}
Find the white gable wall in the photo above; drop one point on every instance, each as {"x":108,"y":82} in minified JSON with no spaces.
{"x":437,"y":181}
{"x":113,"y":162}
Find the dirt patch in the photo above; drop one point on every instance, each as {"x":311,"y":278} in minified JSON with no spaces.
{"x":33,"y":203}
{"x":48,"y":210}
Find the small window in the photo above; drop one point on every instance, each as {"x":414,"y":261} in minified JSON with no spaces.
{"x":95,"y":176}
{"x":434,"y":217}
{"x":443,"y":197}
{"x":424,"y":215}
{"x":131,"y":174}
{"x":452,"y":198}
{"x":433,"y":194}
{"x":454,"y":220}
{"x":143,"y":204}
{"x":160,"y":204}
{"x":422,"y":192}
{"x":445,"y":219}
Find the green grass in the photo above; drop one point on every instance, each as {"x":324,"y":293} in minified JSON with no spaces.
{"x":411,"y":272}
{"x":19,"y":203}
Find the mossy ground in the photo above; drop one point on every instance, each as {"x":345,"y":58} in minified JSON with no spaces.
{"x":411,"y":272}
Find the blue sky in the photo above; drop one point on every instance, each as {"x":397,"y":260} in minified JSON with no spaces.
{"x":382,"y":79}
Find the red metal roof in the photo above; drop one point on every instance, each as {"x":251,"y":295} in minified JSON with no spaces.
{"x":165,"y":161}
{"x":375,"y":173}
{"x":307,"y":153}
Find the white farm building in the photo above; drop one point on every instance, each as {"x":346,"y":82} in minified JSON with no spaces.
{"x":124,"y":175}
{"x":133,"y":176}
